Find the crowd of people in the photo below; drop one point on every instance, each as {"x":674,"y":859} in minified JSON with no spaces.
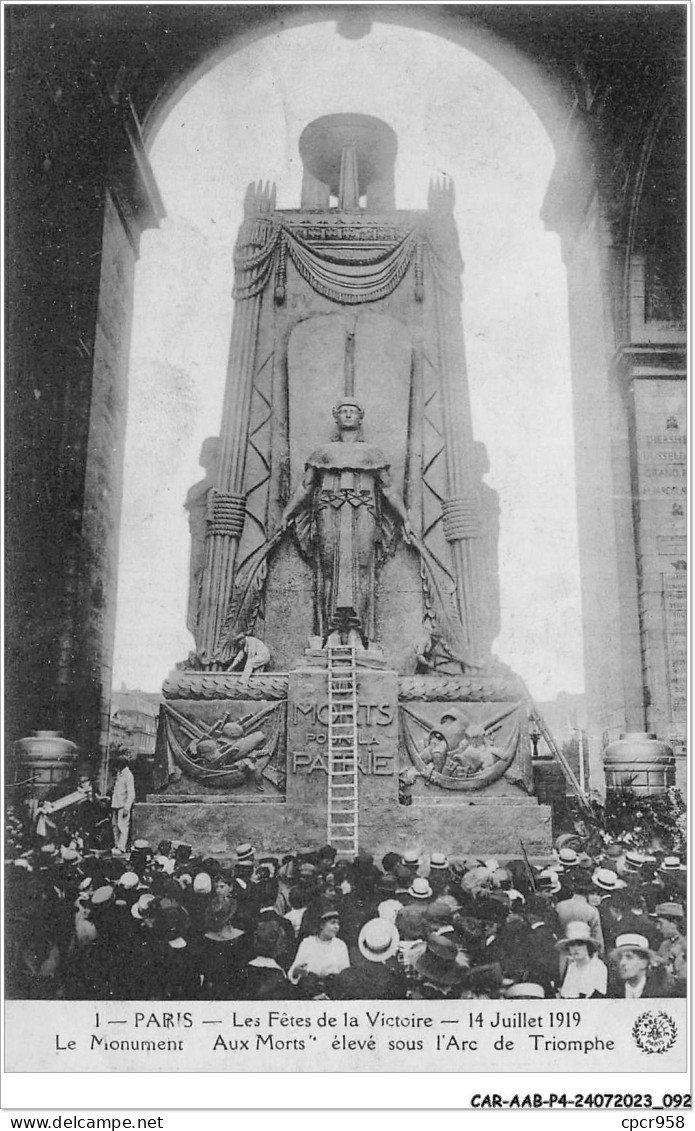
{"x":160,"y":923}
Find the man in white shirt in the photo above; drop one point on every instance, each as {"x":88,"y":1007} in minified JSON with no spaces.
{"x":122,"y":799}
{"x":252,"y":653}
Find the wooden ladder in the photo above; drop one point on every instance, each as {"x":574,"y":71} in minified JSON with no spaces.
{"x":342,"y":749}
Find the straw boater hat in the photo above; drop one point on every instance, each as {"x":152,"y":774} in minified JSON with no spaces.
{"x":577,"y":932}
{"x":568,"y":857}
{"x":607,"y":880}
{"x":635,"y":860}
{"x":102,"y":896}
{"x":141,"y":909}
{"x":438,"y":861}
{"x":634,"y":942}
{"x":527,"y":990}
{"x":671,"y":864}
{"x":244,"y":855}
{"x":411,"y":858}
{"x":420,"y":888}
{"x":129,"y":881}
{"x":438,"y":962}
{"x":378,"y":940}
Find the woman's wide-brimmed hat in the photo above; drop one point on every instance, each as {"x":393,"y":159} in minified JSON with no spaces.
{"x":577,"y":932}
{"x":438,"y":962}
{"x":378,"y":940}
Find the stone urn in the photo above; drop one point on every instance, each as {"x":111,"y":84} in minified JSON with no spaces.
{"x":46,"y":757}
{"x":641,"y":762}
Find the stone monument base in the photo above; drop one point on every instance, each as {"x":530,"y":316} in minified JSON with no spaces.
{"x":481,"y":826}
{"x":394,"y":716}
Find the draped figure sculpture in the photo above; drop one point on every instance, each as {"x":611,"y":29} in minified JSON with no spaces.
{"x":346,"y":514}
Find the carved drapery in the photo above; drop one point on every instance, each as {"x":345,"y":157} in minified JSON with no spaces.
{"x":349,"y":263}
{"x":345,"y":274}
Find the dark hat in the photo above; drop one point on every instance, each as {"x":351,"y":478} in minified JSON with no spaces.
{"x":403,"y":875}
{"x":386,"y":883}
{"x":439,"y":911}
{"x":268,"y":938}
{"x":170,"y":923}
{"x":438,"y":963}
{"x":488,"y":977}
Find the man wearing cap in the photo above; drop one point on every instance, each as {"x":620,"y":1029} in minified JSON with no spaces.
{"x":343,"y":517}
{"x":122,"y":800}
{"x":670,"y":920}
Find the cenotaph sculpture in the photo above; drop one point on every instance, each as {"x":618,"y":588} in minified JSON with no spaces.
{"x":363,"y":558}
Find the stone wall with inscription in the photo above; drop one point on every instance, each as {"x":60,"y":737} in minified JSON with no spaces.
{"x":660,"y":434}
{"x":307,"y":737}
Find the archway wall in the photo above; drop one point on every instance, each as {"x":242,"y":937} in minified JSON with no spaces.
{"x":69,"y":144}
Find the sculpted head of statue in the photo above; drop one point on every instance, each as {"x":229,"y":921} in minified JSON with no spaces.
{"x":348,"y":415}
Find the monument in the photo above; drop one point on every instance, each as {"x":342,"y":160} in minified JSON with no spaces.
{"x":344,"y":544}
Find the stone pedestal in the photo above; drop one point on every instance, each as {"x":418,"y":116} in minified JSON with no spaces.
{"x":494,"y":820}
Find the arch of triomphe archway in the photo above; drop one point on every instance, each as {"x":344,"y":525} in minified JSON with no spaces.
{"x":87,"y":90}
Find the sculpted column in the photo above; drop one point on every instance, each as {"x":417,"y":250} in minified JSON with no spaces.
{"x":462,"y":507}
{"x":226,"y":502}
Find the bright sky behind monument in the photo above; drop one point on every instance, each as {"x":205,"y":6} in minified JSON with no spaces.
{"x":455,"y":115}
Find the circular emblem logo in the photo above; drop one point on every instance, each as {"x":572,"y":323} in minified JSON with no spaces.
{"x":655,"y":1031}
